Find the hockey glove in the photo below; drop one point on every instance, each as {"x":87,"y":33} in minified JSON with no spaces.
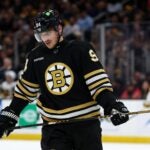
{"x":8,"y":119}
{"x":118,"y":113}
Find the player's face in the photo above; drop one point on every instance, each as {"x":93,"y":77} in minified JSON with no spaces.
{"x":50,"y":38}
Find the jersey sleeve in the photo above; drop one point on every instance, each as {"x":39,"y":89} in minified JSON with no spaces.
{"x":27,"y":87}
{"x":94,"y":74}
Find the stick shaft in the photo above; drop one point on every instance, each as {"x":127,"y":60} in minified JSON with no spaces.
{"x":75,"y":120}
{"x":139,"y":112}
{"x":54,"y":123}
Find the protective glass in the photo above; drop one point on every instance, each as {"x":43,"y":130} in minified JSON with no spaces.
{"x":39,"y":35}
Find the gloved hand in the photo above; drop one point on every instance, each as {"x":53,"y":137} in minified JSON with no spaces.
{"x":8,"y":119}
{"x":118,"y":113}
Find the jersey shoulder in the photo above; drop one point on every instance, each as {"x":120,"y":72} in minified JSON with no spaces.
{"x":81,"y":45}
{"x":35,"y":52}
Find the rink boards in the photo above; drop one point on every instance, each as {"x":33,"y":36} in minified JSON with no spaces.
{"x":136,"y":130}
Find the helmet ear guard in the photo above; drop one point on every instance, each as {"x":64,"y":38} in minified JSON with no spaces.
{"x":37,"y":37}
{"x":43,"y":21}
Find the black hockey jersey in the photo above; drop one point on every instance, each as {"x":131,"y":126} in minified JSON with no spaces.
{"x":69,"y":78}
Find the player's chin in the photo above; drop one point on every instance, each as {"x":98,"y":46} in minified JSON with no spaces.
{"x":50,"y":45}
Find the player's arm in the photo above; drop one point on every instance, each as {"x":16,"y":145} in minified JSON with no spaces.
{"x":100,"y":86}
{"x":26,"y":91}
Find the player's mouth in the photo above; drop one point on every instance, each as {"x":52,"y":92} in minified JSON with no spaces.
{"x":48,"y":42}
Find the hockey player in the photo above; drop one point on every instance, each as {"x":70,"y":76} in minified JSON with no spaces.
{"x":72,"y":84}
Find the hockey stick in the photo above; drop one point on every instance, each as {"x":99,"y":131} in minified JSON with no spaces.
{"x":139,"y":112}
{"x":75,"y":120}
{"x":54,"y":123}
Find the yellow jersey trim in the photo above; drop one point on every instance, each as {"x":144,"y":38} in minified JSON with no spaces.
{"x":25,"y":91}
{"x":78,"y":107}
{"x":20,"y":96}
{"x":100,"y":90}
{"x":29,"y":83}
{"x":91,"y":115}
{"x":97,"y":83}
{"x":93,"y":72}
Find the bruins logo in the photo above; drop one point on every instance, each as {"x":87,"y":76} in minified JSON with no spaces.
{"x":59,"y":78}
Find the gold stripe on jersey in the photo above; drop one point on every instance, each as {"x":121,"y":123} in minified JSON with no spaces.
{"x":100,"y":90}
{"x":25,"y":91}
{"x":67,"y":110}
{"x":72,"y":112}
{"x":29,"y":83}
{"x":69,"y":115}
{"x":91,"y":115}
{"x":20,"y":96}
{"x":93,"y":73}
{"x":98,"y":83}
{"x":49,"y":120}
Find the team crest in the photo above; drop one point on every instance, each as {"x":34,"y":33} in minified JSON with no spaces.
{"x":59,"y":78}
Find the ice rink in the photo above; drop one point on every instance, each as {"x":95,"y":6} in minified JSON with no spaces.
{"x":30,"y":145}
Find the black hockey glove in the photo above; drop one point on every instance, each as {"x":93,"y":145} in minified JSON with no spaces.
{"x":119,"y":113}
{"x":8,"y":119}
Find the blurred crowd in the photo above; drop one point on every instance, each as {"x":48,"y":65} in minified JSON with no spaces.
{"x":127,"y":38}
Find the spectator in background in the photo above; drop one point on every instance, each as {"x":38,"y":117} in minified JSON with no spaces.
{"x":145,"y":89}
{"x":7,"y":45}
{"x":90,"y":9}
{"x":72,"y":29}
{"x":85,"y":23}
{"x":147,"y":102}
{"x":138,"y":78}
{"x":131,"y":92}
{"x":6,"y":19}
{"x":114,"y":6}
{"x":7,"y":86}
{"x":7,"y":65}
{"x":118,"y":86}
